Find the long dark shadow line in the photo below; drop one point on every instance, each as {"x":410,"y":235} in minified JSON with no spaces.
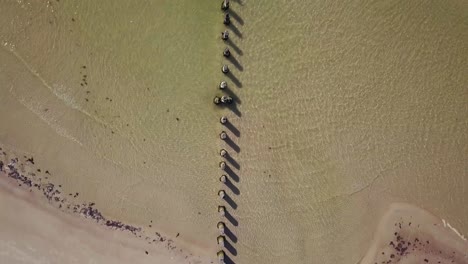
{"x":230,"y":235}
{"x":236,"y":16}
{"x":234,"y":79}
{"x":232,"y":174}
{"x":235,"y":30}
{"x":235,"y":47}
{"x":236,"y":63}
{"x":235,"y":110}
{"x":229,"y":201}
{"x":231,"y":219}
{"x":228,"y":260}
{"x":230,"y":248}
{"x":233,"y":129}
{"x":231,"y":93}
{"x":233,"y":162}
{"x":232,"y":144}
{"x":232,"y":187}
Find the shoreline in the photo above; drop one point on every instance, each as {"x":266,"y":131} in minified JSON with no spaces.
{"x":20,"y":191}
{"x":407,"y":233}
{"x":372,"y":112}
{"x":420,"y":235}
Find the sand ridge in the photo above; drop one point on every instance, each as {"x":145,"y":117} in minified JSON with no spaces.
{"x":408,"y":234}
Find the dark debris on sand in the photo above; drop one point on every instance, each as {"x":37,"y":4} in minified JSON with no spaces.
{"x":55,"y":196}
{"x":400,"y":247}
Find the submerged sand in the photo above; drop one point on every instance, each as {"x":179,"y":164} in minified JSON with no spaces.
{"x":346,"y":109}
{"x":341,"y":111}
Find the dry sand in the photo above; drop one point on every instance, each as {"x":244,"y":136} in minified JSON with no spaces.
{"x":342,"y":110}
{"x":407,"y":234}
{"x":36,"y":232}
{"x":94,"y":99}
{"x":33,"y":231}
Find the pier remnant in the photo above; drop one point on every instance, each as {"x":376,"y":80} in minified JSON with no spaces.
{"x":227,"y":19}
{"x":220,"y":255}
{"x":222,"y":210}
{"x":223,"y":178}
{"x":225,"y":69}
{"x":223,"y":85}
{"x":221,"y":227}
{"x":223,"y":120}
{"x":221,"y":194}
{"x":223,"y":135}
{"x":226,"y":99}
{"x":222,"y":165}
{"x":225,"y":5}
{"x":226,"y":53}
{"x":225,"y":35}
{"x":223,"y":99}
{"x":222,"y":152}
{"x":221,"y":240}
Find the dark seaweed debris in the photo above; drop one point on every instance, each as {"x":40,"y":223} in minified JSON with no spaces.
{"x":55,"y":195}
{"x":401,"y":246}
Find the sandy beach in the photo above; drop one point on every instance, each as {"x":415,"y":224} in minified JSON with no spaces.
{"x":348,"y":118}
{"x":35,"y":232}
{"x":407,"y":234}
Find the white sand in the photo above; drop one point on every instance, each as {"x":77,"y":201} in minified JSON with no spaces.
{"x":34,"y":232}
{"x":407,"y":234}
{"x":344,"y":109}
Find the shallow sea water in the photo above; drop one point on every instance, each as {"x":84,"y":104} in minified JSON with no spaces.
{"x":341,"y":109}
{"x":119,"y":99}
{"x":345,"y":108}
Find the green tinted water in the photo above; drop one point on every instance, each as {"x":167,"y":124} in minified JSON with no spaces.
{"x":342,"y":108}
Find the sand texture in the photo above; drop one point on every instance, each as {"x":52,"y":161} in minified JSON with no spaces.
{"x":407,"y":234}
{"x":348,"y":118}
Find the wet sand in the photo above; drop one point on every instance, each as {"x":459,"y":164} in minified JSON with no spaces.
{"x":347,"y":108}
{"x":407,"y":234}
{"x":95,"y":111}
{"x":36,"y":232}
{"x":341,"y":110}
